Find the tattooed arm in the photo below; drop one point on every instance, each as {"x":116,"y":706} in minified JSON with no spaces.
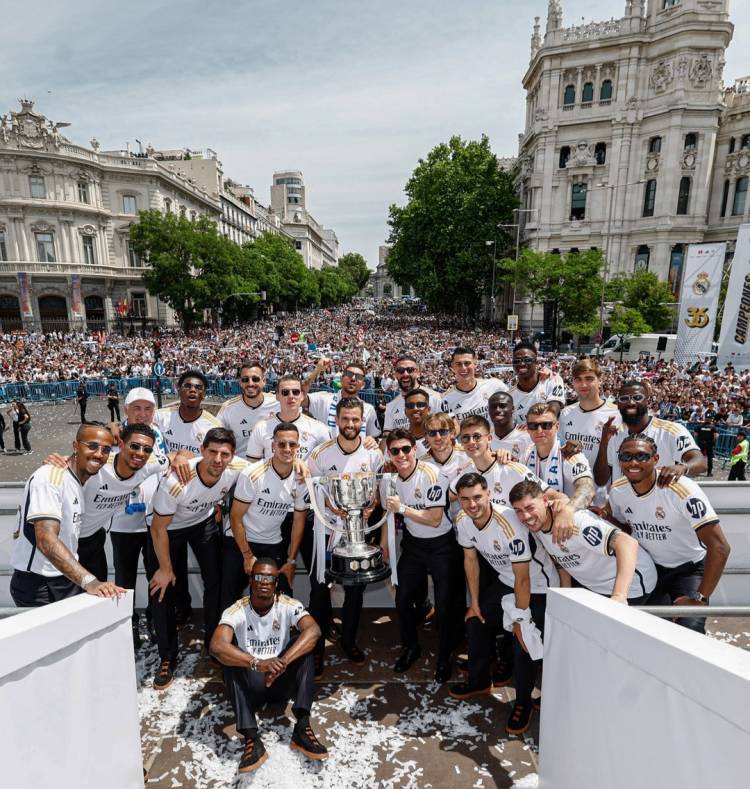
{"x":583,"y":493}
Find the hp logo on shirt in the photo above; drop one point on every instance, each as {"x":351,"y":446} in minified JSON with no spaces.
{"x":592,"y":535}
{"x":516,"y":547}
{"x":434,"y":493}
{"x":696,"y":508}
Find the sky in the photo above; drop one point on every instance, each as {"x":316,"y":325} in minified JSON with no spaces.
{"x":350,"y":93}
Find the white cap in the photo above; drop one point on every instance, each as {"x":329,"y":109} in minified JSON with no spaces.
{"x":140,"y":393}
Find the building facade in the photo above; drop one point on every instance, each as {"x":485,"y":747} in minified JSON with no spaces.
{"x":381,"y":284}
{"x":66,"y":262}
{"x":632,"y":143}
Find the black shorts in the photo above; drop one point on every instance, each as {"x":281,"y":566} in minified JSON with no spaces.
{"x":31,"y":590}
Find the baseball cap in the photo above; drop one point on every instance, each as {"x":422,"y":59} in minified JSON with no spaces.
{"x":140,"y":393}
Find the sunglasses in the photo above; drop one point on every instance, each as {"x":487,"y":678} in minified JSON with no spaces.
{"x":264,"y":578}
{"x":197,"y":387}
{"x":141,"y":448}
{"x":442,"y":431}
{"x":419,"y":404}
{"x":406,"y":370}
{"x":256,"y":379}
{"x":293,"y":392}
{"x":95,"y":447}
{"x":287,"y":444}
{"x":355,"y":376}
{"x":400,"y":450}
{"x":640,"y":457}
{"x":636,"y":398}
{"x":476,"y":437}
{"x":539,"y":425}
{"x":524,"y":360}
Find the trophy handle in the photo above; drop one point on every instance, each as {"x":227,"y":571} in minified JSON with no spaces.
{"x":311,"y":483}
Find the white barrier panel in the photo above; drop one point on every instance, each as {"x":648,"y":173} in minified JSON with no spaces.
{"x":68,"y":705}
{"x":631,"y":700}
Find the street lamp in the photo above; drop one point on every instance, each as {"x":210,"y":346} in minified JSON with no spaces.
{"x":517,"y":226}
{"x":491,"y":305}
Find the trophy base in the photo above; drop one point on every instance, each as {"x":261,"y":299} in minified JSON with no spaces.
{"x":358,"y":570}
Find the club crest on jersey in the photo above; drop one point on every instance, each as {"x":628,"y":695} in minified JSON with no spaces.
{"x":498,"y":488}
{"x":659,"y":512}
{"x":199,"y":438}
{"x":305,"y":435}
{"x":417,"y":493}
{"x":276,"y":624}
{"x":363,"y":467}
{"x":496,"y":545}
{"x":516,"y":451}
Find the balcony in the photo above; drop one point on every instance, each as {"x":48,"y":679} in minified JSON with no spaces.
{"x":64,"y":269}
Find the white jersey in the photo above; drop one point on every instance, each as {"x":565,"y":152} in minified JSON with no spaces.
{"x":665,"y":521}
{"x":50,"y":493}
{"x":456,"y":464}
{"x":264,"y":636}
{"x":323,"y":408}
{"x":422,"y":489}
{"x":546,"y":390}
{"x":559,"y":472}
{"x":516,"y":442}
{"x":311,"y":433}
{"x":672,"y":439}
{"x":239,"y":417}
{"x":503,"y":541}
{"x":270,"y":497}
{"x":330,"y":458}
{"x":193,"y":503}
{"x":423,"y":449}
{"x":462,"y":404}
{"x":395,"y":410}
{"x":180,"y":434}
{"x":106,"y":492}
{"x":588,"y":556}
{"x":132,"y":517}
{"x":501,"y":478}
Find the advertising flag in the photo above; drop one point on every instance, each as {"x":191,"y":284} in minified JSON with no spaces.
{"x":734,"y":341}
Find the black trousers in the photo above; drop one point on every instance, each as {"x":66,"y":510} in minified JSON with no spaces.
{"x":674,"y":582}
{"x":205,"y":541}
{"x":114,"y":412}
{"x":31,"y":590}
{"x":247,"y":690}
{"x":736,"y":472}
{"x":708,"y":453}
{"x":439,"y":557}
{"x":82,"y":406}
{"x":234,"y":580}
{"x":127,"y":548}
{"x":91,"y":553}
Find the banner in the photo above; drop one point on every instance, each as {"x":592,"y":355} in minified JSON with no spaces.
{"x":76,"y":306}
{"x":699,"y":300}
{"x":24,"y":293}
{"x":734,"y":343}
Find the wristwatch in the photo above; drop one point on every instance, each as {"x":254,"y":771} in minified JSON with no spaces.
{"x":401,"y":509}
{"x":86,"y":580}
{"x":290,"y":560}
{"x":697,"y":596}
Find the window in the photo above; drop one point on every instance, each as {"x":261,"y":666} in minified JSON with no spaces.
{"x":298,"y":245}
{"x":45,"y":247}
{"x":725,"y":198}
{"x":605,"y":93}
{"x":570,"y":95}
{"x":129,"y":204}
{"x":683,"y":196}
{"x":293,"y":199}
{"x":587,"y":96}
{"x":691,"y":141}
{"x":38,"y":189}
{"x":732,"y":143}
{"x":138,"y":305}
{"x":133,"y":257}
{"x":3,"y":246}
{"x":564,"y":156}
{"x":642,"y":255}
{"x":182,"y":211}
{"x":89,"y":254}
{"x":167,"y":206}
{"x":83,"y":192}
{"x":193,"y":216}
{"x":740,"y":196}
{"x":745,"y":141}
{"x":654,"y":145}
{"x":578,"y":202}
{"x":600,"y":152}
{"x":670,"y":3}
{"x":649,"y":197}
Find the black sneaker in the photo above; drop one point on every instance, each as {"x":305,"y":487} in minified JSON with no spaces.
{"x":502,"y":675}
{"x":319,"y":666}
{"x":181,"y":618}
{"x":253,"y":755}
{"x":356,"y":656}
{"x":465,"y":691}
{"x":165,"y":675}
{"x":305,"y":741}
{"x":519,"y":719}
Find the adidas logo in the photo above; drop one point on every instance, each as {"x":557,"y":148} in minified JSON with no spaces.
{"x":194,"y":501}
{"x":629,"y":510}
{"x":266,"y":490}
{"x":168,"y":433}
{"x":569,"y":424}
{"x":333,"y":468}
{"x":473,"y":539}
{"x":75,"y":500}
{"x":104,"y":487}
{"x":243,"y":421}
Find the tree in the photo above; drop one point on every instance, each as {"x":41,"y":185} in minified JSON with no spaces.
{"x":356,"y":267}
{"x":646,"y":293}
{"x":290,"y":282}
{"x":335,"y":286}
{"x":627,"y":320}
{"x":456,"y":198}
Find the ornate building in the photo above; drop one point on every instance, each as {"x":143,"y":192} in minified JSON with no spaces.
{"x":632,"y":143}
{"x":65,"y":216}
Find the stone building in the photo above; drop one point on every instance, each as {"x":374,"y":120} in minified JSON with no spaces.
{"x":381,"y":284}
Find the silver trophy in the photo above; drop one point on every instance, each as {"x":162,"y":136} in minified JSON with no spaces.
{"x":353,"y":559}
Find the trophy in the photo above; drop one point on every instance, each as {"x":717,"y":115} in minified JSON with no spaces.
{"x":353,"y":560}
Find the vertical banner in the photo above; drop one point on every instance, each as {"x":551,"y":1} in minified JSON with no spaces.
{"x":699,"y":300}
{"x":24,"y":293}
{"x":75,"y":286}
{"x":734,"y":342}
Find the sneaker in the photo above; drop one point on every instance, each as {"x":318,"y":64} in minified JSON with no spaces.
{"x":305,"y":741}
{"x":356,"y":656}
{"x":319,"y":666}
{"x":519,"y":719}
{"x":181,"y":618}
{"x":462,"y":664}
{"x":465,"y":691}
{"x":165,"y":675}
{"x":253,"y":755}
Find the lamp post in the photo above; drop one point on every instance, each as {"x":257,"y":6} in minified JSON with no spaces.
{"x":491,"y":305}
{"x":517,"y":226}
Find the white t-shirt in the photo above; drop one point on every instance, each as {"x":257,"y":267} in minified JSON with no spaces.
{"x":311,"y":433}
{"x":263,"y":636}
{"x":184,"y":435}
{"x":501,"y":477}
{"x":330,"y":458}
{"x":50,"y":493}
{"x":323,"y":408}
{"x":395,"y":410}
{"x":559,"y":472}
{"x":462,"y":404}
{"x":424,"y":488}
{"x":270,"y":497}
{"x":239,"y":417}
{"x":545,"y":391}
{"x":456,"y":464}
{"x":516,"y":442}
{"x":193,"y":503}
{"x":587,"y":556}
{"x":665,"y":520}
{"x":132,"y":517}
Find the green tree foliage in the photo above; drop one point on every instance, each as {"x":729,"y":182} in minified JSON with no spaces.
{"x":289,"y":282}
{"x":456,"y":198}
{"x":335,"y":285}
{"x":646,"y":293}
{"x":356,"y":267}
{"x":626,"y":320}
